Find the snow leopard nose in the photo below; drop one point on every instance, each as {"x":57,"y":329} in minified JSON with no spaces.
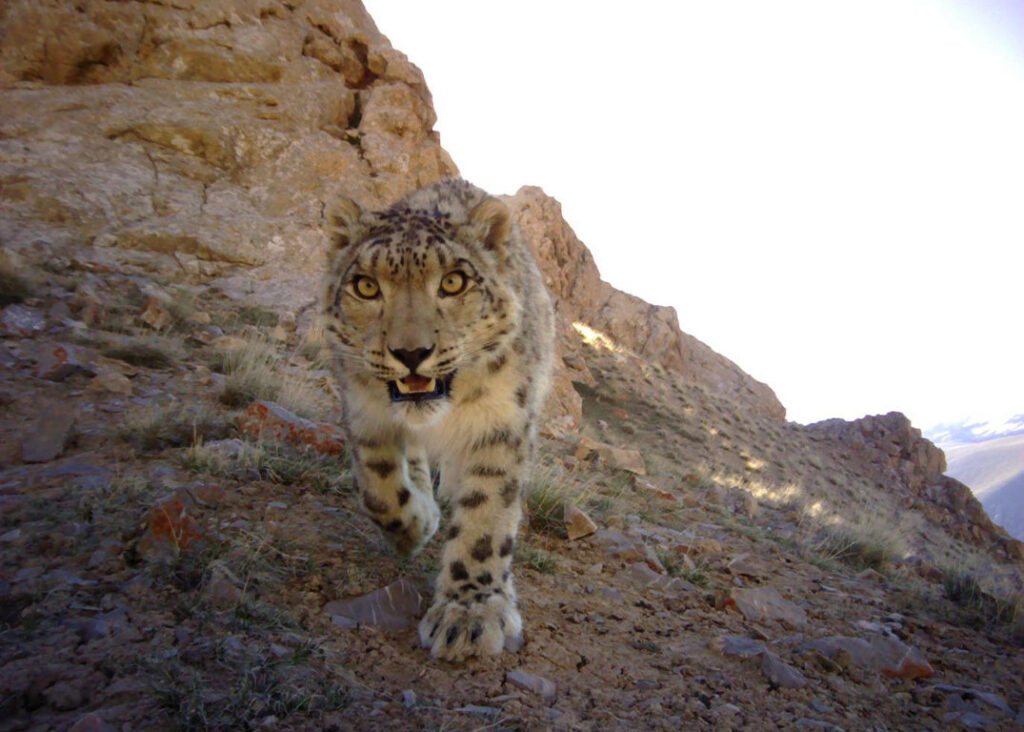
{"x":411,"y":357}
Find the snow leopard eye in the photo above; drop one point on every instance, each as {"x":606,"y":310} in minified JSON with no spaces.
{"x":366,"y":287}
{"x":453,"y":283}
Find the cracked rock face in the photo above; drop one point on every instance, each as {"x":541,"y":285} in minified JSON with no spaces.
{"x":204,"y":135}
{"x":205,"y":138}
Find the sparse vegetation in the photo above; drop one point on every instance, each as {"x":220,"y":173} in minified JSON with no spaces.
{"x":265,"y":688}
{"x":150,"y":353}
{"x":313,"y":346}
{"x":698,"y":575}
{"x":121,"y":492}
{"x":673,"y":565}
{"x":255,"y":370}
{"x":859,"y":546}
{"x":545,"y":503}
{"x":536,"y":559}
{"x":979,"y":609}
{"x":187,"y":571}
{"x":676,"y":566}
{"x":181,"y":305}
{"x":174,"y":425}
{"x":275,"y":462}
{"x":601,"y":506}
{"x":14,"y":285}
{"x":252,"y":315}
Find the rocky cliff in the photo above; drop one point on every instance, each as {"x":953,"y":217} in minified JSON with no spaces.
{"x":891,"y":450}
{"x":207,"y":136}
{"x":650,"y":331}
{"x":193,"y":137}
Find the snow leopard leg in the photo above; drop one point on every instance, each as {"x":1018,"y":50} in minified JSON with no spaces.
{"x":393,"y":479}
{"x":474,"y":610}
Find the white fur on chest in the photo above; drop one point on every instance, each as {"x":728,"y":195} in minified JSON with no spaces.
{"x":453,"y":436}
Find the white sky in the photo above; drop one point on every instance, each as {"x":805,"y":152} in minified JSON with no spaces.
{"x":831,"y":194}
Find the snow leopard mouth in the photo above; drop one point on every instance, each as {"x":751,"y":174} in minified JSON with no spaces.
{"x":416,"y":388}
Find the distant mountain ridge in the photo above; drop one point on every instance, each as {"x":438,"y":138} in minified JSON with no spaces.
{"x":988,"y":456}
{"x":970,"y":431}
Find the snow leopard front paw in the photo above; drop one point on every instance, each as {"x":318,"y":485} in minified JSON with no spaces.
{"x":455,"y":630}
{"x":413,"y":523}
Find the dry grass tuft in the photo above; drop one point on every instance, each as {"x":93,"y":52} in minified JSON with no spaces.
{"x":550,"y":490}
{"x":150,"y":353}
{"x":861,"y":545}
{"x":174,"y":425}
{"x":278,"y":463}
{"x":979,"y":609}
{"x":536,"y":559}
{"x":256,"y":370}
{"x":15,"y":286}
{"x":182,"y":304}
{"x":544,"y":504}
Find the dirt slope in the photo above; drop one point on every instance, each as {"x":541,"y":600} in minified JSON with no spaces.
{"x":166,"y":570}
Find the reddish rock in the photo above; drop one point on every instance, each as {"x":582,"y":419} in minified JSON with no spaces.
{"x":111,"y":381}
{"x":266,"y":420}
{"x":889,"y":656}
{"x":697,"y":547}
{"x":615,"y":457}
{"x":559,"y":427}
{"x":170,"y":527}
{"x":616,"y":544}
{"x":911,"y":665}
{"x":744,"y":564}
{"x":640,"y":575}
{"x":58,"y":362}
{"x":627,"y":548}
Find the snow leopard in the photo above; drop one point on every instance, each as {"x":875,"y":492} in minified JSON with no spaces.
{"x":441,"y":332}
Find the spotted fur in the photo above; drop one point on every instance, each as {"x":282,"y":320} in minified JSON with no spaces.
{"x":493,"y":340}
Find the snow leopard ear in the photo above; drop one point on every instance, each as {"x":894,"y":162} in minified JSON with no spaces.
{"x":343,"y":220}
{"x":490,"y":222}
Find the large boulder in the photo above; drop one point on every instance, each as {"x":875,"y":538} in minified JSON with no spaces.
{"x":204,"y":135}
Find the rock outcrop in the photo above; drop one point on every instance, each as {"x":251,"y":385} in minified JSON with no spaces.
{"x":650,"y":331}
{"x":190,"y":137}
{"x":891,"y":445}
